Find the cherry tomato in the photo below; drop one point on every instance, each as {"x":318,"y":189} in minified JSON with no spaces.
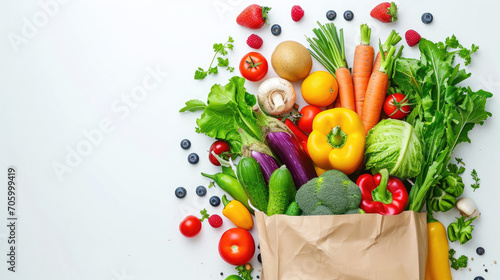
{"x":396,"y":106}
{"x":236,"y":246}
{"x":306,"y":121}
{"x":253,"y":66}
{"x":218,"y":147}
{"x":190,"y":226}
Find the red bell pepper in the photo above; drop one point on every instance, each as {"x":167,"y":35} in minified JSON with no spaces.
{"x":301,"y":136}
{"x":382,"y":194}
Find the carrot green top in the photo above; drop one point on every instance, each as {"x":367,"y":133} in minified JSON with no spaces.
{"x":365,"y":34}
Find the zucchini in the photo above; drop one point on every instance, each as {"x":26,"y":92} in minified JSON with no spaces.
{"x":251,"y":179}
{"x":281,"y":191}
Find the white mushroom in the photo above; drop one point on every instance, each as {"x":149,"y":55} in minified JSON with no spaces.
{"x":276,"y":96}
{"x":467,"y":208}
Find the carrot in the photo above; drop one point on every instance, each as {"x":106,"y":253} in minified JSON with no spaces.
{"x":377,"y":89}
{"x":328,"y":48}
{"x":362,"y":67}
{"x":392,"y":40}
{"x":337,"y":103}
{"x":346,"y":88}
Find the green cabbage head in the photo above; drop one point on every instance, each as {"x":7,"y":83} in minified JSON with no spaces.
{"x":394,"y":144}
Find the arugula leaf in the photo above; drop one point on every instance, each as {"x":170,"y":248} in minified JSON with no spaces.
{"x":443,"y":114}
{"x":456,"y":264}
{"x":476,"y":179}
{"x":193,"y":105}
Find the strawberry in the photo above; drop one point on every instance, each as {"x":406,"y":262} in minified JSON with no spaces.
{"x":297,"y":13}
{"x":385,"y":12}
{"x":254,"y":41}
{"x":215,"y":221}
{"x":253,"y":16}
{"x":412,"y":37}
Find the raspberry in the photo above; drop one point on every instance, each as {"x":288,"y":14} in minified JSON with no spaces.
{"x":215,"y":221}
{"x":297,"y":13}
{"x":412,"y":37}
{"x":254,"y":41}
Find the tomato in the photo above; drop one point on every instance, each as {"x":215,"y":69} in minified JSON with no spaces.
{"x":306,"y":121}
{"x":253,"y":66}
{"x":396,"y":106}
{"x":219,"y":147}
{"x":190,"y":226}
{"x":236,"y":246}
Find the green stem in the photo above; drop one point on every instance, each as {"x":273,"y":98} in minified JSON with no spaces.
{"x":380,"y":193}
{"x":365,"y":34}
{"x":336,"y":138}
{"x":225,"y":201}
{"x":430,"y":218}
{"x":386,"y":62}
{"x":392,"y":40}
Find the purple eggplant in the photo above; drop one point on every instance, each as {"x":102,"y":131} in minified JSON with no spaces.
{"x":252,"y":147}
{"x":267,"y":164}
{"x":288,"y":150}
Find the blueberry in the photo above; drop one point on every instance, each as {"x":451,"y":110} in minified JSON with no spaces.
{"x":259,"y":258}
{"x":185,"y":144}
{"x":331,"y":15}
{"x":479,"y":278}
{"x":427,"y":18}
{"x":193,"y":158}
{"x":276,"y":29}
{"x":348,"y":15}
{"x":201,"y":191}
{"x":480,"y":251}
{"x":180,"y":192}
{"x":214,"y":201}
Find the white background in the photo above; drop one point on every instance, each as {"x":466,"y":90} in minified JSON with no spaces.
{"x":115,"y":216}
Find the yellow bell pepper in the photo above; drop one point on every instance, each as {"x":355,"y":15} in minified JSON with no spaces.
{"x":337,"y":140}
{"x":237,"y":213}
{"x":438,"y":265}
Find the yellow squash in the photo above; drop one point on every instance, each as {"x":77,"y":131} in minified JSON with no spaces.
{"x":438,"y":266}
{"x":337,"y":140}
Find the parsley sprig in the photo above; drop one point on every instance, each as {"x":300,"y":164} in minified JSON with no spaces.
{"x":453,"y":43}
{"x":461,"y":262}
{"x":476,"y":179}
{"x":219,"y":49}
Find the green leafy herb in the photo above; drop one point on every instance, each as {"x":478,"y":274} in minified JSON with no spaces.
{"x":193,"y":106}
{"x":444,"y":113}
{"x":476,"y":179}
{"x":204,"y":215}
{"x":228,"y":108}
{"x":453,"y":43}
{"x":221,"y":49}
{"x":244,"y":273}
{"x":460,"y":161}
{"x":461,"y":262}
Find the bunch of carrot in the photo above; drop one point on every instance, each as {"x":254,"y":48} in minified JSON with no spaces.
{"x":365,"y":91}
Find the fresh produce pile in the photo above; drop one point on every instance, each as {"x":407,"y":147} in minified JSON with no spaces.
{"x":377,"y":138}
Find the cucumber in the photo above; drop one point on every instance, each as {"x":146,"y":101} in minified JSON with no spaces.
{"x":293,"y":209}
{"x":251,"y":179}
{"x":281,"y":191}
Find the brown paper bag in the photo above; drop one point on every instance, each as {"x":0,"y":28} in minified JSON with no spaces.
{"x":350,"y":247}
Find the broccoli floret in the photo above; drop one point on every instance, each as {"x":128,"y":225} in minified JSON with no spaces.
{"x":331,"y":193}
{"x":355,"y":211}
{"x":321,"y":210}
